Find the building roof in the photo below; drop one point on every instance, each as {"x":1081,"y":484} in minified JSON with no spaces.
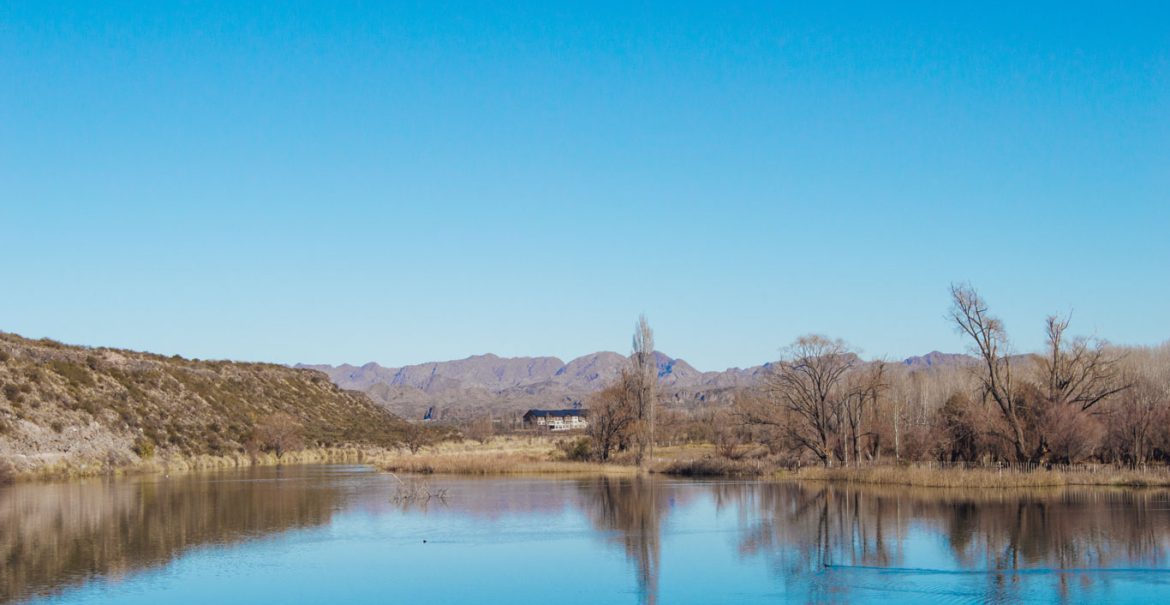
{"x":555,"y":413}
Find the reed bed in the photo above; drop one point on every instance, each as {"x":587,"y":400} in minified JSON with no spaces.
{"x":495,"y":463}
{"x":713,"y":467}
{"x":499,"y":456}
{"x":77,"y":468}
{"x":983,"y":478}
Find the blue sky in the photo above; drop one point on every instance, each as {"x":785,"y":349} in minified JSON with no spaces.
{"x":345,"y":182}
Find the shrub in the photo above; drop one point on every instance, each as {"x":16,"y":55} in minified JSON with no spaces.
{"x":280,"y":433}
{"x":57,"y":426}
{"x":7,"y":473}
{"x":481,"y":429}
{"x":4,"y":356}
{"x":11,"y":392}
{"x":72,"y":372}
{"x":712,"y":467}
{"x":580,"y":449}
{"x":143,"y":447}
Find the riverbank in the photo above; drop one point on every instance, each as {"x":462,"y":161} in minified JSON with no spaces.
{"x":545,"y":455}
{"x":982,"y":478}
{"x":535,"y":455}
{"x":61,"y":468}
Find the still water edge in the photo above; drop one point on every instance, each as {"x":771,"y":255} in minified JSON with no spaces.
{"x":335,"y":534}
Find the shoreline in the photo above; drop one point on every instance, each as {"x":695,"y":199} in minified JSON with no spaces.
{"x":982,"y":478}
{"x":511,"y":456}
{"x":67,"y":469}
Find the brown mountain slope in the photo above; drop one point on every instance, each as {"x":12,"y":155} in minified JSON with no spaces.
{"x":61,"y":402}
{"x":501,"y":385}
{"x":481,"y":384}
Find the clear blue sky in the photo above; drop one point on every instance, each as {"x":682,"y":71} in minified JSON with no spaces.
{"x":346,"y":182}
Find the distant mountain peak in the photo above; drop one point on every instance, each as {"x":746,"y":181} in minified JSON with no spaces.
{"x":938,"y":359}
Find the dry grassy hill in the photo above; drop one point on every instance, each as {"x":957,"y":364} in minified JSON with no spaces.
{"x":60,"y":402}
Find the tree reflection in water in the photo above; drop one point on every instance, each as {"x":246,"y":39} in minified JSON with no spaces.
{"x":824,"y":541}
{"x":629,"y":511}
{"x":820,"y":542}
{"x":56,"y":535}
{"x":810,"y":530}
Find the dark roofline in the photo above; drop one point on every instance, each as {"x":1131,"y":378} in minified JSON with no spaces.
{"x":556,"y":413}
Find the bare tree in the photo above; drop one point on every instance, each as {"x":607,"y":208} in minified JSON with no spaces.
{"x":1074,"y":376}
{"x":810,"y":384}
{"x":1132,"y":429}
{"x":645,"y":372}
{"x":970,"y":314}
{"x":481,"y":429}
{"x":279,"y":433}
{"x":612,"y":415}
{"x":1079,"y":373}
{"x":731,"y":434}
{"x":864,"y":386}
{"x":415,"y":437}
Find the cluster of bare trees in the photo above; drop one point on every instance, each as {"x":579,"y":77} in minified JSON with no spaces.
{"x":821,"y":400}
{"x":622,"y":415}
{"x":1080,"y":400}
{"x":1052,"y":407}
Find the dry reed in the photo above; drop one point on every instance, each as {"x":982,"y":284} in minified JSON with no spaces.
{"x":982,"y":478}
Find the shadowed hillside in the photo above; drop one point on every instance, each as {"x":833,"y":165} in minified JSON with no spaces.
{"x":60,"y":402}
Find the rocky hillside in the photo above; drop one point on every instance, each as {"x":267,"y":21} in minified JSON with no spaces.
{"x":59,"y":402}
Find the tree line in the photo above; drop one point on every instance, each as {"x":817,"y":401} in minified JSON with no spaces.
{"x":1079,"y":400}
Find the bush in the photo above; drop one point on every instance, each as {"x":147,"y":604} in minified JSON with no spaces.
{"x":580,"y":449}
{"x":481,"y":429}
{"x":72,"y":372}
{"x":144,"y":448}
{"x":713,"y":467}
{"x":7,"y":473}
{"x":57,"y":426}
{"x":4,"y":356}
{"x":11,"y":392}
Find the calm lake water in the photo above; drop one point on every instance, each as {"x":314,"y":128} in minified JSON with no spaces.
{"x":336,"y":534}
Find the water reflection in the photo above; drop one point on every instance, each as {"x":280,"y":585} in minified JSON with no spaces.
{"x":56,"y":535}
{"x":986,"y":543}
{"x":673,"y":540}
{"x":629,"y":512}
{"x":821,"y":541}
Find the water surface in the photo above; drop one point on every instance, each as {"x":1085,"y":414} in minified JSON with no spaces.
{"x":337,"y":534}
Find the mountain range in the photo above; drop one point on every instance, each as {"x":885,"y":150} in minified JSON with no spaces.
{"x":509,"y":385}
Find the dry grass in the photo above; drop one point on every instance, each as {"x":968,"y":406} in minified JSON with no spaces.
{"x":714,"y":467}
{"x":74,"y":468}
{"x":511,"y":455}
{"x":499,"y":456}
{"x":982,"y":478}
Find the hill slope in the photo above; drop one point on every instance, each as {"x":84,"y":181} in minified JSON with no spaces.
{"x":59,"y":401}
